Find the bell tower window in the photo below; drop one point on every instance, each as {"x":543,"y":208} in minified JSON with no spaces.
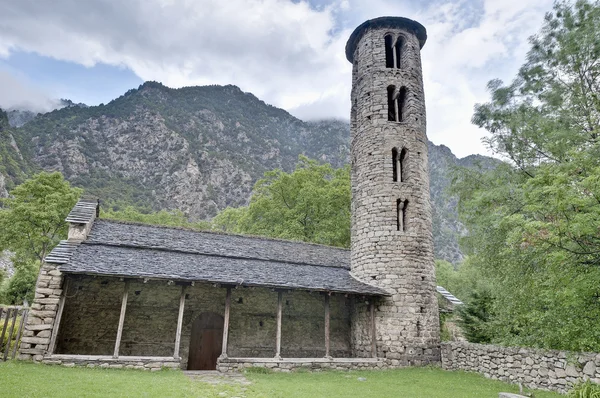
{"x":401,"y":214}
{"x":398,"y":51}
{"x":389,"y":51}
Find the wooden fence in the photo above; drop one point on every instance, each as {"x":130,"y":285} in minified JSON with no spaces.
{"x":9,"y":339}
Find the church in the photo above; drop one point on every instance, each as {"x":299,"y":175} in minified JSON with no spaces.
{"x":128,"y":295}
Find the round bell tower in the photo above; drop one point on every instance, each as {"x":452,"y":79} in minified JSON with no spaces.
{"x":392,"y":241}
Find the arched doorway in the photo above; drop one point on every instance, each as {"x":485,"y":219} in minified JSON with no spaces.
{"x":206,"y":342}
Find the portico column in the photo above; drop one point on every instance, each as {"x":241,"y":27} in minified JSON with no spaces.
{"x":179,"y":323}
{"x":279,"y":313}
{"x":327,"y":330}
{"x":373,"y":329}
{"x":226,"y":322}
{"x":121,"y":319}
{"x":61,"y":306}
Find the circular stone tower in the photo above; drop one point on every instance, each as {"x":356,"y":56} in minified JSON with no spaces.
{"x":392,"y":241}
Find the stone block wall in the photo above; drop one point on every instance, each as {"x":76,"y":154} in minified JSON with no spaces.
{"x":239,"y":364}
{"x":92,"y":308}
{"x":399,"y":260}
{"x":141,"y":363}
{"x":542,"y":369}
{"x":37,"y":332}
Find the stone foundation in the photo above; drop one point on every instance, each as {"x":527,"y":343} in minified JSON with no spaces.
{"x":123,"y":362}
{"x":37,"y":332}
{"x":291,"y":364}
{"x":540,"y":369}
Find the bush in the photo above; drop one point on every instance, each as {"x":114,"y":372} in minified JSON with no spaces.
{"x":585,"y":390}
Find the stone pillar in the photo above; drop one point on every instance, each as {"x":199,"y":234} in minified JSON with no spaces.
{"x":37,"y":332}
{"x":392,"y":241}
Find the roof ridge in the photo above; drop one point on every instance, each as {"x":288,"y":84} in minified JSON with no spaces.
{"x":197,"y":252}
{"x":222,"y":233}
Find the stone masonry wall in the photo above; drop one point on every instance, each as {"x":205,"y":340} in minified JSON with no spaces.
{"x":407,"y":323}
{"x":239,"y":364}
{"x":37,"y":331}
{"x":543,"y":369}
{"x":92,"y":308}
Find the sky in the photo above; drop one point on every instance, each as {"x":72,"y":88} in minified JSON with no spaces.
{"x":288,"y":53}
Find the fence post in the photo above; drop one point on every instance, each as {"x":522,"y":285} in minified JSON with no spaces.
{"x":23,"y":321}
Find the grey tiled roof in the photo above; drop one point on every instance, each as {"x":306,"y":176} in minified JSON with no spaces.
{"x":177,"y":239}
{"x":84,"y":211}
{"x":448,"y":296}
{"x":134,"y":250}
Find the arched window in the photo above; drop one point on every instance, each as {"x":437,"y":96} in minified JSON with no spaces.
{"x":389,"y":52}
{"x":398,"y":51}
{"x":395,"y":165}
{"x":402,"y":160}
{"x":392,"y":104}
{"x":401,"y":215}
{"x":400,"y":104}
{"x":396,"y":103}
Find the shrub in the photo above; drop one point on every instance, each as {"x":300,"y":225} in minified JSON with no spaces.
{"x":585,"y":390}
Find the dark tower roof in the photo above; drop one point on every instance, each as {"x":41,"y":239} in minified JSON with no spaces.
{"x":385,"y":22}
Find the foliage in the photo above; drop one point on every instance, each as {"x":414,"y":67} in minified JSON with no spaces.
{"x":32,"y":220}
{"x":585,"y":390}
{"x":21,"y":286}
{"x":311,"y":204}
{"x":170,"y":218}
{"x":475,"y":315}
{"x":533,"y":224}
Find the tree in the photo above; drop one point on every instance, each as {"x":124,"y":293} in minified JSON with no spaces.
{"x":32,"y":219}
{"x":533,"y":223}
{"x":311,"y":204}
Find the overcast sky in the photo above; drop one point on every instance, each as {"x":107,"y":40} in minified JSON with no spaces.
{"x":288,"y":53}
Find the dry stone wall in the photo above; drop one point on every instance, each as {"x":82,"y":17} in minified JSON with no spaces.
{"x":399,"y":260}
{"x":549,"y":370}
{"x":37,"y":332}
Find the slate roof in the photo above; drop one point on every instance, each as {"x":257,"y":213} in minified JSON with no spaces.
{"x":448,"y":296}
{"x":134,"y":250}
{"x":84,"y":211}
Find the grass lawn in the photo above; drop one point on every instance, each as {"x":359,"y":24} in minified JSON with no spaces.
{"x":23,"y":379}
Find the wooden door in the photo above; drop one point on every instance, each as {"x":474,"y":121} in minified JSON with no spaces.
{"x":206,"y":342}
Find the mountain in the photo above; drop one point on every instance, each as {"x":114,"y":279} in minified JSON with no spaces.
{"x":14,"y":168}
{"x":197,"y":149}
{"x":446,"y":227}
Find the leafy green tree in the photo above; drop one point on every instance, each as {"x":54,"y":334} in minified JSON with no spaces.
{"x":533,"y":223}
{"x":32,"y":219}
{"x":311,"y":204}
{"x":170,"y":218}
{"x":21,"y":286}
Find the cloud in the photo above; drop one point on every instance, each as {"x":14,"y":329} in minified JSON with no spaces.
{"x":287,"y":53}
{"x":16,"y":92}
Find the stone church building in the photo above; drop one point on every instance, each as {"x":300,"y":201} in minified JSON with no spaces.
{"x":119,"y":294}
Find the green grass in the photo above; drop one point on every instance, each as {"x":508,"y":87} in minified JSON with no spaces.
{"x":24,"y":379}
{"x":405,"y":383}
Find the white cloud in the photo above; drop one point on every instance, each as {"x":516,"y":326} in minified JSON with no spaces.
{"x":16,"y":92}
{"x":284,"y":52}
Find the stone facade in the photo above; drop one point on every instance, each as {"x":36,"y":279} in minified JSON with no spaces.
{"x":41,"y":320}
{"x":151,"y":319}
{"x":541,"y":369}
{"x":392,"y":243}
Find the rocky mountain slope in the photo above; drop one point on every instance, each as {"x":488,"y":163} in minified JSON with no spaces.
{"x":14,"y":168}
{"x":198,"y":149}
